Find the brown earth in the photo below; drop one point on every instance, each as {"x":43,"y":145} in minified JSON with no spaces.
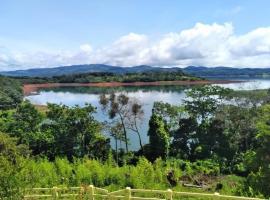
{"x":30,"y":88}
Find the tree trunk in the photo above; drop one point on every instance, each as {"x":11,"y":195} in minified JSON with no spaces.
{"x":116,"y":149}
{"x":125,"y":132}
{"x":139,"y":135}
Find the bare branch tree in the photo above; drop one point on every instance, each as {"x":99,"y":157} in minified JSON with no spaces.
{"x":126,"y":111}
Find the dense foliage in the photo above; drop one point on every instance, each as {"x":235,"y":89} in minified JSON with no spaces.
{"x":216,"y":139}
{"x":228,"y":72}
{"x":61,"y":131}
{"x":39,"y":172}
{"x":10,"y":93}
{"x":100,"y":77}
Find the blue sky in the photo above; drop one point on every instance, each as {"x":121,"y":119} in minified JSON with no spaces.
{"x":65,"y":32}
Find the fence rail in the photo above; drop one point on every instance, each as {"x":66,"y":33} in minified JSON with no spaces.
{"x":94,"y":193}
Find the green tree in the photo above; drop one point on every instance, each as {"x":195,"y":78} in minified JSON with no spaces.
{"x":260,"y":177}
{"x":201,"y":102}
{"x":76,"y":132}
{"x":169,"y":113}
{"x":159,"y":139}
{"x":12,"y":158}
{"x":200,"y":106}
{"x":10,"y":94}
{"x":26,"y":125}
{"x":116,"y":131}
{"x":183,"y":138}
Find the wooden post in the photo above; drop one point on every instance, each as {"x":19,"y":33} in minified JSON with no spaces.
{"x":109,"y":196}
{"x":128,"y":193}
{"x":81,"y":193}
{"x":91,"y":192}
{"x":169,"y":194}
{"x":217,"y":195}
{"x":55,"y":193}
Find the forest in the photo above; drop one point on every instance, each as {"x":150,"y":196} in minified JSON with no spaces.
{"x":100,"y":77}
{"x":10,"y":93}
{"x":217,"y":140}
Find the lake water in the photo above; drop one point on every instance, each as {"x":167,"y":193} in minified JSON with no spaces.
{"x":146,"y":95}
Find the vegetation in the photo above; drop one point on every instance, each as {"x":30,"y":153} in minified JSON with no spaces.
{"x":158,"y":139}
{"x":101,"y":68}
{"x":88,"y":68}
{"x":125,"y":113}
{"x":228,"y":72}
{"x":260,"y":160}
{"x":100,"y":77}
{"x":217,"y":140}
{"x":10,"y":93}
{"x":61,"y":131}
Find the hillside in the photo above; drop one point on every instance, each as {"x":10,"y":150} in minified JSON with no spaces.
{"x":78,"y":69}
{"x":227,"y":72}
{"x":101,"y":68}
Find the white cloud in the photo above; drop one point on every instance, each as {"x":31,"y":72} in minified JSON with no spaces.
{"x":86,"y":48}
{"x":124,"y":51}
{"x":255,"y":43}
{"x":203,"y":44}
{"x":192,"y":45}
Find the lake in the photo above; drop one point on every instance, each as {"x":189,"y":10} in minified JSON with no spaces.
{"x":146,"y":95}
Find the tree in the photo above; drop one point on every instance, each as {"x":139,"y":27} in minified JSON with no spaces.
{"x":183,"y":138}
{"x":12,"y":157}
{"x":134,"y":119}
{"x":26,"y":124}
{"x":200,"y":106}
{"x":263,"y":126}
{"x":26,"y":119}
{"x":10,"y":94}
{"x":158,"y":138}
{"x":125,"y":111}
{"x":116,"y":131}
{"x":238,"y":126}
{"x":203,"y":101}
{"x":169,"y":113}
{"x":260,"y":177}
{"x":76,"y":132}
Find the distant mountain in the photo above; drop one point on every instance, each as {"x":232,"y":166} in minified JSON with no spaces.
{"x":78,"y":69}
{"x":195,"y":71}
{"x":227,"y":72}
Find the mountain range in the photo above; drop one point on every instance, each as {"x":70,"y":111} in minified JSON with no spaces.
{"x":192,"y":70}
{"x":78,"y":69}
{"x":227,"y":72}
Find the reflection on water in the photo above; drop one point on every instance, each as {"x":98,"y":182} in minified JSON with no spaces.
{"x":253,"y":84}
{"x":147,"y":95}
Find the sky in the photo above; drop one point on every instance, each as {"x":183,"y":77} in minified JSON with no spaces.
{"x":169,"y":33}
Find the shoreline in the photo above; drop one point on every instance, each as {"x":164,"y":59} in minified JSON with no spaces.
{"x":31,"y":88}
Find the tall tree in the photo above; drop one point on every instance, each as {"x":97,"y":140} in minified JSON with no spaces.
{"x":159,"y":139}
{"x":201,"y":102}
{"x":26,"y":124}
{"x":116,"y":131}
{"x":169,"y":113}
{"x":11,"y":93}
{"x":125,"y":111}
{"x":12,"y":158}
{"x":259,"y":179}
{"x":76,"y":132}
{"x":183,"y":138}
{"x":134,"y":119}
{"x":200,"y":106}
